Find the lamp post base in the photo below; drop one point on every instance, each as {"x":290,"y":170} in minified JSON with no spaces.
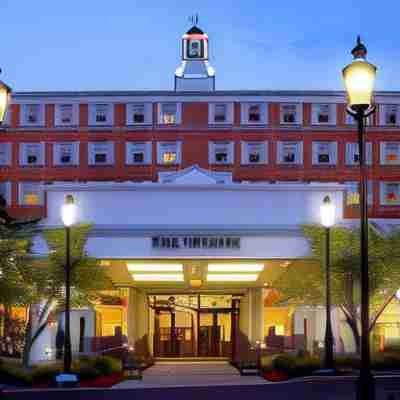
{"x":366,"y":387}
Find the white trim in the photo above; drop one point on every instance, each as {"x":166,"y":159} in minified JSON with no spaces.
{"x":229,"y":116}
{"x":178,"y":116}
{"x":92,"y":113}
{"x":147,"y":150}
{"x":109,"y":153}
{"x":230,"y":152}
{"x":23,"y":120}
{"x":331,"y":114}
{"x":383,"y":150}
{"x":382,"y":191}
{"x":244,"y":113}
{"x":57,"y":115}
{"x":244,"y":156}
{"x":382,"y":115}
{"x":23,"y":155}
{"x":7,"y":191}
{"x":74,"y":155}
{"x":299,"y":152}
{"x":178,"y":151}
{"x":148,"y":113}
{"x":299,"y":113}
{"x":332,"y":152}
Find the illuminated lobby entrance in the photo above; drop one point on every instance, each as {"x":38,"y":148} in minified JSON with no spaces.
{"x":194,"y":325}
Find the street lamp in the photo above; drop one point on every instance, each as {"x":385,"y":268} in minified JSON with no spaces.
{"x":359,"y":78}
{"x":4,"y":99}
{"x":327,"y":220}
{"x":68,"y":215}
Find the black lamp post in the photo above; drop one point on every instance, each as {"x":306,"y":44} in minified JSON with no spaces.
{"x":68,"y":215}
{"x":327,"y":220}
{"x":359,"y":79}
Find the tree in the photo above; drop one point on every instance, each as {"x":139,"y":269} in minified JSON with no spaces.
{"x":47,"y":282}
{"x":304,"y":283}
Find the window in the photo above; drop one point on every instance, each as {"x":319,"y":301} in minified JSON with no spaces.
{"x":220,"y":113}
{"x":324,"y":153}
{"x":5,"y":191}
{"x":169,"y":113}
{"x":352,"y":195}
{"x":291,"y":114}
{"x":349,"y":120}
{"x":169,"y":153}
{"x":323,"y":114}
{"x":138,"y":113}
{"x":290,"y":152}
{"x":66,"y":114}
{"x":5,"y":154}
{"x":32,"y":115}
{"x":353,"y":154}
{"x":253,"y":113}
{"x":30,"y":194}
{"x":254,"y":152}
{"x":66,"y":153}
{"x":101,"y":153}
{"x":390,"y":153}
{"x":389,"y":114}
{"x":220,"y":152}
{"x":31,"y":154}
{"x":100,"y":114}
{"x":138,"y":153}
{"x":390,"y":193}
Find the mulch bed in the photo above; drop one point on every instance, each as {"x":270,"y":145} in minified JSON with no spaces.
{"x":275,"y":376}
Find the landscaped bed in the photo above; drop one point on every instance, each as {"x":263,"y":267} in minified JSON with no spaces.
{"x":282,"y":367}
{"x":91,"y":372}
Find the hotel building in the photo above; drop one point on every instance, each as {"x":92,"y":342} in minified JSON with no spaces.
{"x":196,"y":197}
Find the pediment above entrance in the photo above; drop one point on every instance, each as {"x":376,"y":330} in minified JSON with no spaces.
{"x":195,"y":175}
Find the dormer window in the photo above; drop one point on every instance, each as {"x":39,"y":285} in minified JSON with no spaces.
{"x":290,"y":114}
{"x":101,"y":114}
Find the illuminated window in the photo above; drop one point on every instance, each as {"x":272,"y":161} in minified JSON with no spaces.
{"x":290,"y":114}
{"x":30,"y":194}
{"x":352,"y":193}
{"x":390,"y":193}
{"x":138,"y":153}
{"x":390,"y":153}
{"x":169,"y":153}
{"x":290,"y":152}
{"x":31,"y":154}
{"x":221,"y":152}
{"x":324,"y":153}
{"x":66,"y":153}
{"x":353,"y":153}
{"x":254,"y":152}
{"x":169,"y":113}
{"x":5,"y":153}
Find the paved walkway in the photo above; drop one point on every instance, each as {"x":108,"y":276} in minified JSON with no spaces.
{"x":203,"y":373}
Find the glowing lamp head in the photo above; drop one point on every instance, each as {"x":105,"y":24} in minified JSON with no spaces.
{"x":68,"y":211}
{"x":4,"y":99}
{"x":359,"y":78}
{"x":327,"y":213}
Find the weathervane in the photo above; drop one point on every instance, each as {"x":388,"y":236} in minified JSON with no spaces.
{"x":194,"y":19}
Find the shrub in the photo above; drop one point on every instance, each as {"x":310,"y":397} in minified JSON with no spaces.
{"x":45,"y":374}
{"x":107,"y":365}
{"x":87,"y":373}
{"x":11,"y":374}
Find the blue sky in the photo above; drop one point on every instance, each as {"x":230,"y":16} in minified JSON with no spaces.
{"x":255,"y":44}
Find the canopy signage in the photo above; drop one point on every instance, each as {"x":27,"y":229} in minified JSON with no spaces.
{"x":195,"y":242}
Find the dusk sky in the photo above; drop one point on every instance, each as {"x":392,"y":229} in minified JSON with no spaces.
{"x":254,"y":44}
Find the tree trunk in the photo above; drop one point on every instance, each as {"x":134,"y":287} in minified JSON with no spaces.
{"x":7,"y":319}
{"x":28,"y":340}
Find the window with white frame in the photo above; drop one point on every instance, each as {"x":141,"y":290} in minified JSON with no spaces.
{"x":66,"y":114}
{"x":31,"y":154}
{"x":352,"y":194}
{"x":220,"y":113}
{"x":353,"y":153}
{"x":349,"y":120}
{"x":101,"y":114}
{"x":253,"y":113}
{"x":390,"y":153}
{"x":30,"y":194}
{"x":168,"y":153}
{"x":290,"y":152}
{"x":390,"y":193}
{"x":5,"y":154}
{"x":254,"y":153}
{"x":389,"y":114}
{"x":138,"y":153}
{"x":138,"y":113}
{"x":169,"y":113}
{"x":101,"y":153}
{"x":324,"y":153}
{"x":32,"y":115}
{"x":290,"y":113}
{"x":221,"y":152}
{"x":5,"y":191}
{"x":324,"y":114}
{"x":66,"y":154}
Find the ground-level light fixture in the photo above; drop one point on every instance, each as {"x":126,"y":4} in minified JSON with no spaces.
{"x":154,"y":267}
{"x":235,"y":267}
{"x":158,"y":277}
{"x":232,"y":277}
